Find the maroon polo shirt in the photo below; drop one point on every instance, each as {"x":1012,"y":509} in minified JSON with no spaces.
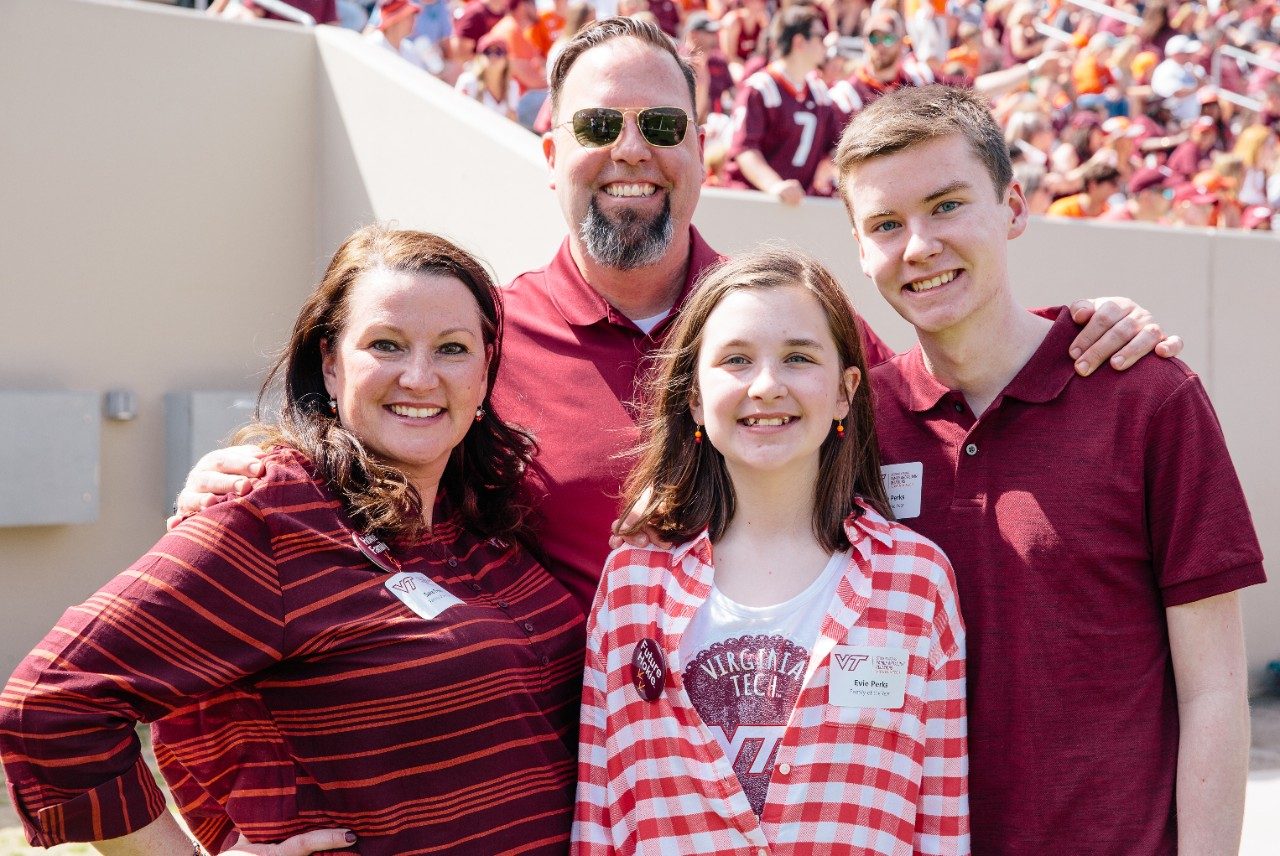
{"x":474,"y":20}
{"x":572,"y":369}
{"x":1075,"y":511}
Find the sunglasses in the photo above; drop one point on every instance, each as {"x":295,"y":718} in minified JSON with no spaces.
{"x":596,"y":127}
{"x":882,"y":38}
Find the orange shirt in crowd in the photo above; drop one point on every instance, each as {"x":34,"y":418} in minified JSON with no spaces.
{"x":1090,"y":76}
{"x":1069,"y":206}
{"x":544,"y":31}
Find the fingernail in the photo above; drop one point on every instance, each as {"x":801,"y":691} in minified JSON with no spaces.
{"x":242,"y":485}
{"x":1076,"y":353}
{"x":1082,"y":367}
{"x":1117,"y":361}
{"x":256,"y":468}
{"x":351,"y":837}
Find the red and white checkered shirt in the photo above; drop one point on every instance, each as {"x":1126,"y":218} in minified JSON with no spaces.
{"x":846,"y":780}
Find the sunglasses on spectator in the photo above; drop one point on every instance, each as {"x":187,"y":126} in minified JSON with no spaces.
{"x":882,"y":38}
{"x":495,"y":52}
{"x":597,"y":127}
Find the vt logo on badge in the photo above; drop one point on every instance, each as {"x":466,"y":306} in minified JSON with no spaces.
{"x":866,"y":676}
{"x":420,"y":593}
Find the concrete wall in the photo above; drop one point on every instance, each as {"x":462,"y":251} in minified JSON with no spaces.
{"x":158,"y":233}
{"x":162,"y":229}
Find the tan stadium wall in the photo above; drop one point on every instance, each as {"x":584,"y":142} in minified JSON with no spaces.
{"x":171,"y":207}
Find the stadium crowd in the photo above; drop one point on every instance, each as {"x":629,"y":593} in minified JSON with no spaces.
{"x":1161,"y":111}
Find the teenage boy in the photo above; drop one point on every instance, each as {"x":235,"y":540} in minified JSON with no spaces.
{"x":1107,"y":705}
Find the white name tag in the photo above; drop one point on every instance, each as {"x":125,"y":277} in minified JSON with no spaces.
{"x":902,"y":483}
{"x":865,"y":676}
{"x":421,"y":594}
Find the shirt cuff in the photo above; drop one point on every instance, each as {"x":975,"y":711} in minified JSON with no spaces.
{"x":114,"y":808}
{"x":1222,"y":582}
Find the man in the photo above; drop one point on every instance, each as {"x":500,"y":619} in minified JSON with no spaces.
{"x":1177,"y":78}
{"x":1150,"y":190}
{"x":1107,"y":708}
{"x":393,"y":29}
{"x":472,"y":23}
{"x":1196,"y":153}
{"x":1101,"y":181}
{"x":785,"y":124}
{"x":577,"y":331}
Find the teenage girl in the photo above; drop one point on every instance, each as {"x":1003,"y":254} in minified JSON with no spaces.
{"x":790,"y":678}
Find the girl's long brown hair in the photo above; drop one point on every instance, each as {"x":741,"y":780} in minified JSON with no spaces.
{"x":484,"y":473}
{"x":691,"y":488}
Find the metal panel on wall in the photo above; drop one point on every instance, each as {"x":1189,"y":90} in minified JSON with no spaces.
{"x":49,"y":447}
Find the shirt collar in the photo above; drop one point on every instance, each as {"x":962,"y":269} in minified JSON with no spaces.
{"x":581,"y":305}
{"x":1049,"y":370}
{"x":1042,"y":379}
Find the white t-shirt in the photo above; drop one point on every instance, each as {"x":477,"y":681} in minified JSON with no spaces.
{"x":744,"y":667}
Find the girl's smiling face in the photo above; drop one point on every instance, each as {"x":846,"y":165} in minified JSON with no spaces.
{"x":769,"y":384}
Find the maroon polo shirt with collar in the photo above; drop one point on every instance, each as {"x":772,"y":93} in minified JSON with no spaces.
{"x":1075,"y":511}
{"x":572,"y":371}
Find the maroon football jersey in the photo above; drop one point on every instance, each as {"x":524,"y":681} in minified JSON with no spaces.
{"x":793,"y":130}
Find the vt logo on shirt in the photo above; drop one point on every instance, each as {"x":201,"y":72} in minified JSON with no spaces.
{"x":745,"y":689}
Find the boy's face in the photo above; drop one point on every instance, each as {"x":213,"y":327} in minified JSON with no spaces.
{"x":932,"y":232}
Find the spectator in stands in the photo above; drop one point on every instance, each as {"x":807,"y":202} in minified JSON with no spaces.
{"x":432,"y":33}
{"x":340,"y":619}
{"x":392,"y":29}
{"x":881,"y":69}
{"x":474,"y":20}
{"x":1101,"y":181}
{"x":1192,"y":206}
{"x":1177,"y":79}
{"x":1196,"y":153}
{"x":488,"y":78}
{"x":785,"y":124}
{"x":1022,"y":41}
{"x":742,"y":30}
{"x":1150,"y":191}
{"x":528,"y":65}
{"x":701,"y":46}
{"x":1257,"y":148}
{"x":846,"y":17}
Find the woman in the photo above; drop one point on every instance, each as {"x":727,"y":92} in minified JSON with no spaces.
{"x":742,"y":31}
{"x":360,"y":641}
{"x":752,"y":688}
{"x":1256,"y":147}
{"x":487,"y":78}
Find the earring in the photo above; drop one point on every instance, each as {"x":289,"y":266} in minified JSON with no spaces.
{"x":840,"y":428}
{"x":479,"y":413}
{"x":697,"y":435}
{"x":333,"y":407}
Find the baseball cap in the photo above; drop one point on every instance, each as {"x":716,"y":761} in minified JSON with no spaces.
{"x":1171,"y":77}
{"x":393,"y":10}
{"x":1148,"y":178}
{"x":700,"y":22}
{"x":1143,"y":63}
{"x":1181,"y":44}
{"x":1190,"y":193}
{"x":1254,"y":215}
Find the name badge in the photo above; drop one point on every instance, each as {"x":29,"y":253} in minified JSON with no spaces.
{"x":420,"y":593}
{"x":902,"y":482}
{"x":866,"y":676}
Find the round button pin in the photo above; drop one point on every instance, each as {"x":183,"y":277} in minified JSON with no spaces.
{"x":649,"y":669}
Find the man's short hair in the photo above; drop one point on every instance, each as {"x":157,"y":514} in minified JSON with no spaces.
{"x":1100,"y":173}
{"x":912,"y":115}
{"x":600,"y":32}
{"x":795,"y":20}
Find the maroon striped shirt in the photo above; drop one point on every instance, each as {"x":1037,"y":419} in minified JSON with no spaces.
{"x":298,"y":692}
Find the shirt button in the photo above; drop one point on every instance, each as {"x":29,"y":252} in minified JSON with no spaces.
{"x":476,"y":586}
{"x":971,"y":449}
{"x":453,"y":563}
{"x":546,"y":661}
{"x":528,"y":625}
{"x":502,"y":604}
{"x":959,"y":407}
{"x":762,"y":852}
{"x":784,"y":769}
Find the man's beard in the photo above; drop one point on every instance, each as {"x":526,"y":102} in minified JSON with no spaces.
{"x":631,"y":241}
{"x":884,"y":61}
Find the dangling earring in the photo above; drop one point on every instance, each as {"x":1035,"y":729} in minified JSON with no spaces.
{"x":697,"y":435}
{"x":840,"y":428}
{"x":479,"y":413}
{"x":333,"y":407}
